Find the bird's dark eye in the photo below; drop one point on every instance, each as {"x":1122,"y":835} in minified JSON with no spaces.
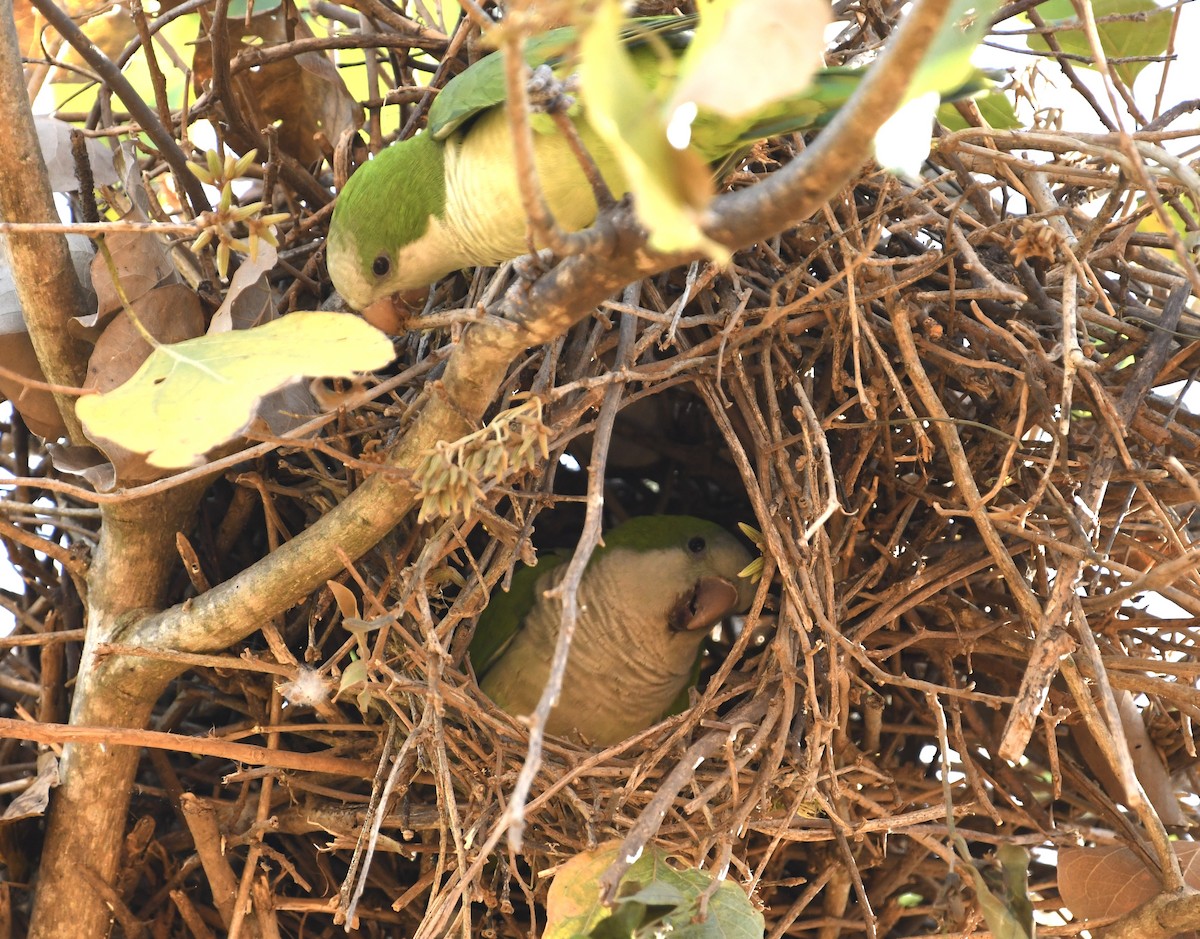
{"x":381,"y":265}
{"x":697,"y":545}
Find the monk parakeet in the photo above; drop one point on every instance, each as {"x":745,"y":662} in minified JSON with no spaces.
{"x":650,"y":594}
{"x":448,"y":198}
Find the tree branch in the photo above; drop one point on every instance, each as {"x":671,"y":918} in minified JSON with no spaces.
{"x":47,"y":287}
{"x":1167,"y":915}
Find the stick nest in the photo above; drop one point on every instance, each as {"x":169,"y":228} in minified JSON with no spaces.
{"x":955,"y":412}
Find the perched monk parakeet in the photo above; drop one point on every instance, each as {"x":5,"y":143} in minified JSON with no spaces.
{"x":649,"y":596}
{"x":448,"y":198}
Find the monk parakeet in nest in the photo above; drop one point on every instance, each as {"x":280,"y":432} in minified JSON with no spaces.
{"x":649,"y":596}
{"x":448,"y":198}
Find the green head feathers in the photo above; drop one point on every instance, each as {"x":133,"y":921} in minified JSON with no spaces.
{"x":387,"y":204}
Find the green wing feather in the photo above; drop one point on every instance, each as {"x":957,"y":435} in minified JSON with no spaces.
{"x":501,"y":620}
{"x":722,"y":142}
{"x":481,"y":86}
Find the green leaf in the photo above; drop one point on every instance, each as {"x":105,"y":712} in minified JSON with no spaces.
{"x":191,"y":396}
{"x":354,"y":673}
{"x":654,"y":899}
{"x":1145,"y":33}
{"x":237,"y":8}
{"x":573,"y":906}
{"x":1002,"y":888}
{"x":995,"y":107}
{"x":897,"y":146}
{"x":945,"y":69}
{"x":730,"y":914}
{"x":947,"y":64}
{"x":1153,"y":223}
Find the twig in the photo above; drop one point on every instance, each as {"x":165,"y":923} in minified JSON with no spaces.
{"x":567,"y":590}
{"x":543,"y":229}
{"x":205,"y":746}
{"x":745,"y":716}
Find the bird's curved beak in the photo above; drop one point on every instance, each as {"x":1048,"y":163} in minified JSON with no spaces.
{"x":392,"y":313}
{"x":702,"y":607}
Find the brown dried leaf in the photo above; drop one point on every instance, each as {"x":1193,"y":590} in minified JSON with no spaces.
{"x":282,"y":410}
{"x":249,"y":300}
{"x":33,"y":801}
{"x":1036,"y":241}
{"x":110,"y":30}
{"x":347,"y":603}
{"x":32,"y":34}
{"x":170,"y":314}
{"x":1109,"y":881}
{"x":304,"y":94}
{"x":87,"y":463}
{"x":29,"y":22}
{"x":36,"y":406}
{"x":142,"y":264}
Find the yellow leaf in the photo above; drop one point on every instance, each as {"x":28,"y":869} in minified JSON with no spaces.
{"x":670,"y":186}
{"x":194,"y":395}
{"x":573,"y":904}
{"x":654,"y":898}
{"x":748,"y":55}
